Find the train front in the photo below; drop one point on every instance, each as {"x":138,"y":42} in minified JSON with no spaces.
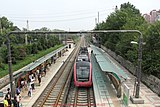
{"x":83,"y":74}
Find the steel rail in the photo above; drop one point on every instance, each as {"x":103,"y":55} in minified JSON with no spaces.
{"x":58,"y":80}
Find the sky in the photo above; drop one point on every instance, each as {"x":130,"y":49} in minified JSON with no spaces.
{"x":69,"y":15}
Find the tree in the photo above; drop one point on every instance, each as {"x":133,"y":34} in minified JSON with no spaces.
{"x":127,"y":17}
{"x":152,"y":50}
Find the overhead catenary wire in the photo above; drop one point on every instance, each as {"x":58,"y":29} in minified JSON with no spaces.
{"x":56,"y":14}
{"x":60,"y":20}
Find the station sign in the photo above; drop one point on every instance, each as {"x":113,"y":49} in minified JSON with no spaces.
{"x":125,"y":95}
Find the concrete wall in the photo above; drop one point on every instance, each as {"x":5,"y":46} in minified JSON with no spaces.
{"x":151,"y":81}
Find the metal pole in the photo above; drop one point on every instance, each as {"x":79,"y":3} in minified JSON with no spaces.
{"x":139,"y":65}
{"x":46,"y":37}
{"x":98,"y":18}
{"x":1,"y":25}
{"x":10,"y":65}
{"x":26,"y":39}
{"x":65,"y":39}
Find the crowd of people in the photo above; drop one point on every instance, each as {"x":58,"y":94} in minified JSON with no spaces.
{"x":8,"y":102}
{"x":24,"y":85}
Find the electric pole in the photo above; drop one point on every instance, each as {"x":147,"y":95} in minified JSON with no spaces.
{"x":26,"y":41}
{"x":46,"y":37}
{"x":95,"y":21}
{"x":1,"y":25}
{"x":98,"y":17}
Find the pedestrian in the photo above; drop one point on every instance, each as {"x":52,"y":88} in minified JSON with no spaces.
{"x":54,"y":59}
{"x":17,"y":90}
{"x":30,"y":77}
{"x":5,"y":102}
{"x":15,"y":103}
{"x":45,"y":68}
{"x":32,"y":83}
{"x":29,"y":91}
{"x":37,"y":73}
{"x":22,"y":85}
{"x":39,"y":79}
{"x":8,"y":97}
{"x":18,"y":98}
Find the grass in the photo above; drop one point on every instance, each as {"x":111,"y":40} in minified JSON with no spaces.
{"x":27,"y":60}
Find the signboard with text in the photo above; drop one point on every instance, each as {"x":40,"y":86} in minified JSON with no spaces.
{"x":125,"y":95}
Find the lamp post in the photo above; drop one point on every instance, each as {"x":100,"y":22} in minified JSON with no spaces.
{"x":10,"y":65}
{"x":138,"y":74}
{"x":139,"y":66}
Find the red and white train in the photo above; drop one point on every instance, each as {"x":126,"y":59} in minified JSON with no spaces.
{"x":83,"y":69}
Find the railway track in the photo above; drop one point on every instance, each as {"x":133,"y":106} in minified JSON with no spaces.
{"x":56,"y":91}
{"x":80,"y":97}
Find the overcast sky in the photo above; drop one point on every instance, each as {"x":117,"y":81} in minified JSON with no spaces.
{"x":65,"y":14}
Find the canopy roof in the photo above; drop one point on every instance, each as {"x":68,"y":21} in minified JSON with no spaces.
{"x":36,"y":63}
{"x":106,"y":64}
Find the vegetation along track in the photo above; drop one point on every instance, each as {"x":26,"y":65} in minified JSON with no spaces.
{"x":80,"y":97}
{"x":56,"y":91}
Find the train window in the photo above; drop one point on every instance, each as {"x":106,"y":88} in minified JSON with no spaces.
{"x":82,"y":71}
{"x":83,"y":58}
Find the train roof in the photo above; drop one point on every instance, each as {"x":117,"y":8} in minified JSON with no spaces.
{"x":83,"y":63}
{"x":83,"y":49}
{"x":82,"y":57}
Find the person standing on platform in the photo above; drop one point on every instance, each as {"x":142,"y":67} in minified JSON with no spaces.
{"x":5,"y":102}
{"x":45,"y":68}
{"x":32,"y":83}
{"x":54,"y":59}
{"x":15,"y":103}
{"x":8,"y":96}
{"x":18,"y":100}
{"x":18,"y":90}
{"x":29,"y":91}
{"x":39,"y":79}
{"x":37,"y":73}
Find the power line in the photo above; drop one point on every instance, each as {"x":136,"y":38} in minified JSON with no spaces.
{"x":57,"y":15}
{"x":69,"y":19}
{"x":61,"y":13}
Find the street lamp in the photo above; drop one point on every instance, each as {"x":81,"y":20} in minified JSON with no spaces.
{"x":138,"y":100}
{"x":138,"y":74}
{"x":138,"y":69}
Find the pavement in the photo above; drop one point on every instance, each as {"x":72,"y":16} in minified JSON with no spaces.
{"x":150,"y":98}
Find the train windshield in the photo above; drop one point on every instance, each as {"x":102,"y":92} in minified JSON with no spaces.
{"x":82,"y":69}
{"x":82,"y":58}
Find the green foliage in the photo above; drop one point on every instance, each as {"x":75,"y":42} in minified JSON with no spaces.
{"x":30,"y":58}
{"x":152,"y":50}
{"x":129,"y":18}
{"x":22,"y":54}
{"x":34,"y":48}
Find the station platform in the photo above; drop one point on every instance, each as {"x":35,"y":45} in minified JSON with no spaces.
{"x":150,"y":98}
{"x":105,"y":95}
{"x":27,"y":101}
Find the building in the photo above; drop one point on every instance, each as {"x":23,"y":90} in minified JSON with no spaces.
{"x":153,"y":14}
{"x":69,"y":42}
{"x":147,"y":17}
{"x":152,"y":17}
{"x":158,"y":16}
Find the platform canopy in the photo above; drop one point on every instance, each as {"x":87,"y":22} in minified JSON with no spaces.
{"x":107,"y":65}
{"x":36,"y":63}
